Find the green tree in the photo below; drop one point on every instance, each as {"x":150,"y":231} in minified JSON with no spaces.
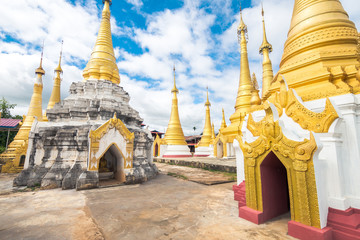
{"x":5,"y":108}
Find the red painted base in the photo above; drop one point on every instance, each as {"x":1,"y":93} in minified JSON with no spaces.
{"x":304,"y":232}
{"x":240,"y":194}
{"x":251,"y":215}
{"x":345,"y":224}
{"x":201,"y":155}
{"x":176,"y":156}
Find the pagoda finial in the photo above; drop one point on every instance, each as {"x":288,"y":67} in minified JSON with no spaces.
{"x":207,"y":103}
{"x":242,"y":26}
{"x":59,"y":69}
{"x":40,"y":70}
{"x":110,"y":1}
{"x":265,"y":50}
{"x":223,"y":122}
{"x":174,"y":88}
{"x":265,"y":43}
{"x":102,"y":64}
{"x":245,"y":86}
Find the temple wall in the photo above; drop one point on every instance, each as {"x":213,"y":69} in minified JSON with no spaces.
{"x":341,"y":153}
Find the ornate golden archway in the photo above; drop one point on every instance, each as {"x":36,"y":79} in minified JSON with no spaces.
{"x":215,"y":143}
{"x":124,"y":144}
{"x":297,"y":157}
{"x":156,"y":146}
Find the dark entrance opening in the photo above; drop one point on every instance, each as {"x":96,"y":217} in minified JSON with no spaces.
{"x":156,"y":150}
{"x":22,"y":161}
{"x":111,"y":167}
{"x":275,"y":190}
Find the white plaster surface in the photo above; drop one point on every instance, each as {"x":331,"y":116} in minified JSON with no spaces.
{"x":337,"y":160}
{"x":182,"y":150}
{"x":202,"y":151}
{"x":240,"y":170}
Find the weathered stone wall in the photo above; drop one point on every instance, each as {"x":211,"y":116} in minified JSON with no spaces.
{"x":59,"y":149}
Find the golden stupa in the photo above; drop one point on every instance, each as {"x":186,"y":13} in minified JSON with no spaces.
{"x":207,"y":132}
{"x":174,"y":134}
{"x":14,"y":156}
{"x":102,"y":64}
{"x":56,"y":92}
{"x":321,"y":53}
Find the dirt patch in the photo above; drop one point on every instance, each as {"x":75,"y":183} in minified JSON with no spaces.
{"x":195,"y":174}
{"x":85,"y":227}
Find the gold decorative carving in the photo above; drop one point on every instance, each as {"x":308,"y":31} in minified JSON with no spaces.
{"x":297,"y":159}
{"x":307,"y":119}
{"x":96,"y":136}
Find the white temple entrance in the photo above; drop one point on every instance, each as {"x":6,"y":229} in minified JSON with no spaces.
{"x":275,"y":191}
{"x":111,"y":165}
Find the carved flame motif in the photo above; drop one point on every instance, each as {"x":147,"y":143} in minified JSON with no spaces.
{"x":307,"y":119}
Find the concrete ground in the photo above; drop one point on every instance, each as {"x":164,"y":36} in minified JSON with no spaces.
{"x":163,"y":208}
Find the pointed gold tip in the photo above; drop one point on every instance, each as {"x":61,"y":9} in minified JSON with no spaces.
{"x":59,"y":69}
{"x":207,"y":103}
{"x":262,"y":10}
{"x":109,"y":1}
{"x":40,"y":70}
{"x":175,"y":88}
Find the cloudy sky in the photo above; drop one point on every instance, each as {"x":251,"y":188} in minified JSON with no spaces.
{"x":149,"y":36}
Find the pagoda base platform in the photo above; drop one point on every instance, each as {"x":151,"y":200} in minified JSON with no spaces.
{"x":176,"y":151}
{"x":202,"y":152}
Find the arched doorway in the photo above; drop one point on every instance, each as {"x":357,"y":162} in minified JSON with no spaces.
{"x":219,"y":149}
{"x":156,"y":150}
{"x":274,"y":184}
{"x":111,"y":165}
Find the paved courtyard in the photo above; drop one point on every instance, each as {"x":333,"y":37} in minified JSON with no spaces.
{"x":163,"y":208}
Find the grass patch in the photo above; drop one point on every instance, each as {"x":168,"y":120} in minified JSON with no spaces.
{"x":177,"y":175}
{"x":231,"y":176}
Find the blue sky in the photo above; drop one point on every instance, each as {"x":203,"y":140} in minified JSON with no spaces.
{"x":149,"y":36}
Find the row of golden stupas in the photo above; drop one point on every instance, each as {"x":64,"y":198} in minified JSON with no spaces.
{"x":320,"y":59}
{"x":101,"y":66}
{"x":16,"y":150}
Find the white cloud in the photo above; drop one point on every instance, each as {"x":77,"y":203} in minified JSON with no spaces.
{"x":181,"y":36}
{"x":136,"y":3}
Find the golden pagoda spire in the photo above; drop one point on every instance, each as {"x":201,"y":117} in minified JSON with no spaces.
{"x":35,"y":108}
{"x":223,"y":121}
{"x":18,"y":146}
{"x":55,"y":94}
{"x":213,"y":136}
{"x":206,"y":137}
{"x":265,"y":50}
{"x":255,"y":99}
{"x":245,"y":85}
{"x":321,"y":52}
{"x":174,"y":134}
{"x":102,"y":64}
